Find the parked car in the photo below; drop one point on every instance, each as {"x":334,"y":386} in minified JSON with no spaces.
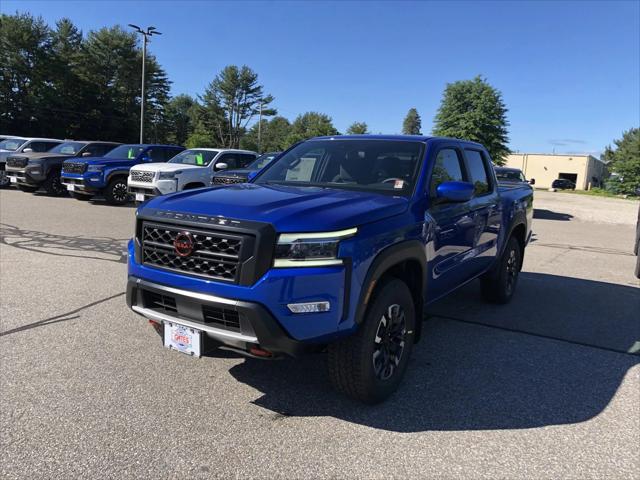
{"x":191,"y":169}
{"x":15,"y":145}
{"x":242,"y":175}
{"x":508,"y":175}
{"x":107,"y":175}
{"x":562,"y":184}
{"x":31,"y":171}
{"x":341,"y":243}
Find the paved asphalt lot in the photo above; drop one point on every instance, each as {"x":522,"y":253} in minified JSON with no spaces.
{"x":542,"y":388}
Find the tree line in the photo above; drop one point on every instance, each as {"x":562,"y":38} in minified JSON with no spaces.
{"x":58,"y":82}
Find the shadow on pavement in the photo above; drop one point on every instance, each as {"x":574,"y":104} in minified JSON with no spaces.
{"x":542,"y":214}
{"x":465,"y":376}
{"x":72,"y":246}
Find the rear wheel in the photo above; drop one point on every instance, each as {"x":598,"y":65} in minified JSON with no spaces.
{"x":27,"y":188}
{"x":370,"y":364}
{"x":499,"y":285}
{"x":52,"y":185}
{"x":81,"y":196}
{"x":116,"y":192}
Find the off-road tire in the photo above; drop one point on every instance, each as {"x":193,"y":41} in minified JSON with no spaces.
{"x":352,"y":361}
{"x":116,"y":191}
{"x":53,"y":186}
{"x":499,"y":284}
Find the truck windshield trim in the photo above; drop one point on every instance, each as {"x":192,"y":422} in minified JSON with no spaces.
{"x":388,"y":167}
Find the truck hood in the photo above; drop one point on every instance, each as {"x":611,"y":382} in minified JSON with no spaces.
{"x":111,"y":162}
{"x":288,"y":209}
{"x":166,"y":167}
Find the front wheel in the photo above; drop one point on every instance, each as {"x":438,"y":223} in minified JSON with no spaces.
{"x":499,"y":284}
{"x":4,"y":179}
{"x":53,"y":186}
{"x":370,"y":364}
{"x":116,"y":192}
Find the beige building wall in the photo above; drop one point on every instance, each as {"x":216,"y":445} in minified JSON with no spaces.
{"x":585,"y":170}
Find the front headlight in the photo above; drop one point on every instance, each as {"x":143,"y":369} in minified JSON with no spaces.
{"x":168,"y":175}
{"x":95,"y":168}
{"x":310,"y":249}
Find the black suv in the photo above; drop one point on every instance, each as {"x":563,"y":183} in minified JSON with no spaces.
{"x":30,"y":171}
{"x":563,"y":184}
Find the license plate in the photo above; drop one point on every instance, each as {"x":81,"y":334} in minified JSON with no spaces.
{"x":14,"y":179}
{"x":71,"y":188}
{"x":139,"y":197}
{"x":181,"y":338}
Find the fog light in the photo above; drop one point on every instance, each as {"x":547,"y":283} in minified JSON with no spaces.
{"x":35,"y":171}
{"x":309,"y":307}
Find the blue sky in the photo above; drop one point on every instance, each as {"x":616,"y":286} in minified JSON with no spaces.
{"x":569,"y":71}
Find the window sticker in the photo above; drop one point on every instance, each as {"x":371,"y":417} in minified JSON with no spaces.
{"x":398,"y":184}
{"x":199,"y":159}
{"x":130,"y":154}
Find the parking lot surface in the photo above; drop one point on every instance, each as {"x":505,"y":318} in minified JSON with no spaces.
{"x":546,"y":387}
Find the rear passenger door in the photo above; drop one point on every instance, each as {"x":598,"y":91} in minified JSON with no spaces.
{"x":484,"y":209}
{"x":449,"y":225}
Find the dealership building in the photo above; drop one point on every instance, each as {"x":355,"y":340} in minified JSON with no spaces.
{"x":586,"y":171}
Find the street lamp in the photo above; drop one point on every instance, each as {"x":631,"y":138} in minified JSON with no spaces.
{"x":145,"y":35}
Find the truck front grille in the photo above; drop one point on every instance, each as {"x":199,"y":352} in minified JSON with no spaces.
{"x":214,"y":254}
{"x":144,"y":177}
{"x":228,"y":180}
{"x":74,"y":167}
{"x":17,"y":162}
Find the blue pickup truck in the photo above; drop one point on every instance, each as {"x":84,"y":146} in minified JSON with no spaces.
{"x":339,"y":245}
{"x":107,"y":175}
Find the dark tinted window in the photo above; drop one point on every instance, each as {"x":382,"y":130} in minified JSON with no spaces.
{"x":231,"y":159}
{"x":171,"y":152}
{"x":447,"y":168}
{"x":41,"y":146}
{"x":97,"y":149}
{"x":477,"y":168}
{"x":156,"y":155}
{"x":246,"y":159}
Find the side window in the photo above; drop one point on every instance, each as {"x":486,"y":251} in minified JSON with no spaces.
{"x":40,"y":146}
{"x":230,"y":159}
{"x":478,"y":175}
{"x":246,"y":159}
{"x":171,"y":152}
{"x":95,"y":150}
{"x":448,"y":168}
{"x":156,"y":155}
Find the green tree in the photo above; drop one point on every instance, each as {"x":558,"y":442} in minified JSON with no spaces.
{"x":311,"y":124}
{"x":412,"y":123}
{"x":625,"y":162}
{"x":474,"y":110}
{"x":274,"y":134}
{"x":179,"y":117}
{"x":231,"y":101}
{"x":358,"y":128}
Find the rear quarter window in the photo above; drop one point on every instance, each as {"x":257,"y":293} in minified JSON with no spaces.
{"x":477,"y":166}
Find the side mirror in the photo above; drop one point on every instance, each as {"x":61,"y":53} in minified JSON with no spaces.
{"x":252,"y":175}
{"x":27,"y":150}
{"x":221,"y":166}
{"x":455,"y":191}
{"x":532,"y":181}
{"x":86,"y":154}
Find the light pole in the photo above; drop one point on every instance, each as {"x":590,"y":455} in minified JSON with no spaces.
{"x":145,"y":35}
{"x":260,"y":129}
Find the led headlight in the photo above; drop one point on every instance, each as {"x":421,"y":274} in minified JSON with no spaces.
{"x":168,"y":175}
{"x":310,"y":249}
{"x":95,"y":168}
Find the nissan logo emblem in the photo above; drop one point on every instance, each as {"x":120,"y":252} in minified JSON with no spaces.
{"x":184,"y":244}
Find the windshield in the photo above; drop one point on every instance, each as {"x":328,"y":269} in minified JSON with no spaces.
{"x":510,"y":175}
{"x":198,"y":158}
{"x":262,"y":161}
{"x":68,"y":148}
{"x":11,"y":144}
{"x":125,"y":152}
{"x":384,"y":166}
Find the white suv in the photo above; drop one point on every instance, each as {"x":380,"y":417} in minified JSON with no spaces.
{"x":191,"y":168}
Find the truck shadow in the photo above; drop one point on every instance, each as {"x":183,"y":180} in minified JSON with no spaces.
{"x":542,"y":214}
{"x":473,"y":373}
{"x":112,"y":249}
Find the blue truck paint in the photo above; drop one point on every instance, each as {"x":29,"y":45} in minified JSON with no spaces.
{"x":441,"y":246}
{"x":94,"y":182}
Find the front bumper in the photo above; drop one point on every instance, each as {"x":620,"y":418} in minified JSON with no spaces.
{"x":25,"y":176}
{"x":150,"y":190}
{"x":247,"y":324}
{"x":89,"y":183}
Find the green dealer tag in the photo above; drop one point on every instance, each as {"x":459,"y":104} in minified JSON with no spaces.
{"x":130,"y":154}
{"x":199,"y":159}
